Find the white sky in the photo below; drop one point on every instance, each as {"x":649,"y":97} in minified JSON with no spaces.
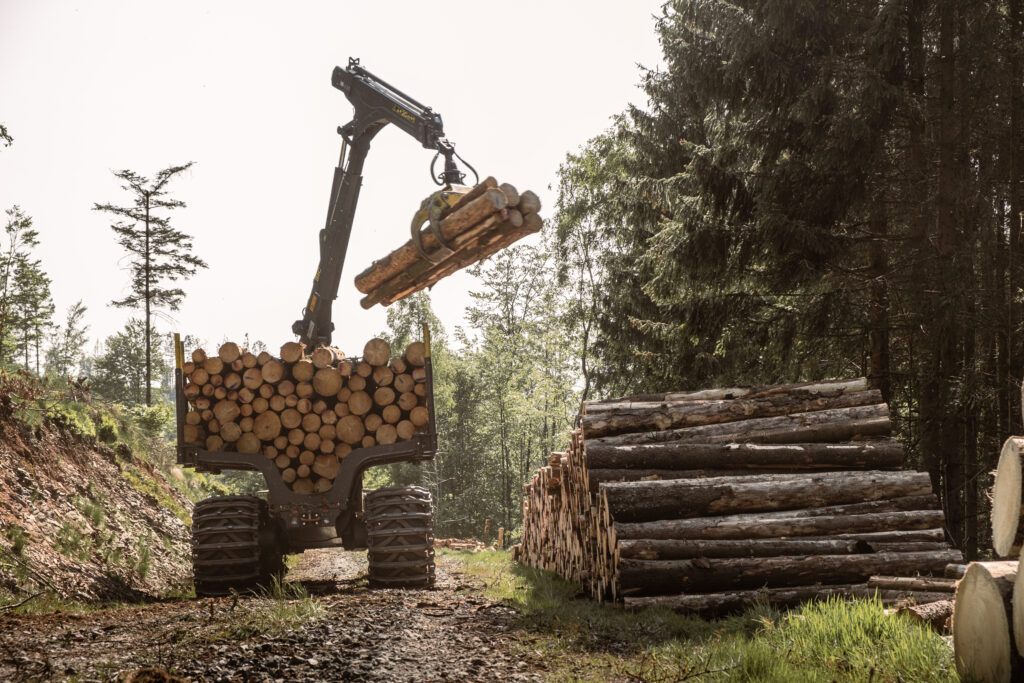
{"x":243,"y":89}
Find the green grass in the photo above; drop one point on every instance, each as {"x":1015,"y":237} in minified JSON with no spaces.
{"x":280,"y":608}
{"x":827,"y":641}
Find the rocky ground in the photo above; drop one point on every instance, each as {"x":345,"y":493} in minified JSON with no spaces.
{"x":449,"y":633}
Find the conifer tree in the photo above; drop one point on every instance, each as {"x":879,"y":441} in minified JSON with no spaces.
{"x":67,"y":343}
{"x":159,"y":255}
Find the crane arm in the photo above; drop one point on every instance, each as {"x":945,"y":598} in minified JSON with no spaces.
{"x":376,"y":103}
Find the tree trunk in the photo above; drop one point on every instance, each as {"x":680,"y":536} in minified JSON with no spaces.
{"x":843,"y":424}
{"x":643,"y":501}
{"x":712,"y":412}
{"x":731,"y":601}
{"x":794,"y":456}
{"x":775,"y":527}
{"x":650,"y":577}
{"x":725,"y":394}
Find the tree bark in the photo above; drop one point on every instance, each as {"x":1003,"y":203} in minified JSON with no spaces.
{"x":643,"y":501}
{"x":691,"y":456}
{"x":775,"y":527}
{"x":712,"y":412}
{"x":731,"y":601}
{"x":660,"y":577}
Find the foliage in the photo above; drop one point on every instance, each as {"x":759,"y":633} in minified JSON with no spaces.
{"x":825,"y":641}
{"x":503,"y":400}
{"x":121,"y":373}
{"x":159,"y":255}
{"x":25,"y":304}
{"x":813,"y":191}
{"x":5,"y":137}
{"x":67,"y":343}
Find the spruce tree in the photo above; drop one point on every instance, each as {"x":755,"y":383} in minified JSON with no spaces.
{"x":159,"y":255}
{"x":67,"y":343}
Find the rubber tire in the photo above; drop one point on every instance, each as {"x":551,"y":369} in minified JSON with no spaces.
{"x":234,"y":545}
{"x":399,"y":527}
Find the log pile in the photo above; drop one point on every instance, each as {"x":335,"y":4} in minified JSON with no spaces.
{"x":485,"y":220}
{"x":708,"y":501}
{"x":306,"y":412}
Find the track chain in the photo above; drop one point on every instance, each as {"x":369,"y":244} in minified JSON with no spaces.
{"x":226,"y":545}
{"x":401,"y":537}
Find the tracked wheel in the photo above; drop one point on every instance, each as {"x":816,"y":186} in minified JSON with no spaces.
{"x":234,"y":545}
{"x":401,"y":537}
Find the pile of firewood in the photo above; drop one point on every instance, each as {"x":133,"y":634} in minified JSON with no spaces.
{"x":304,"y":412}
{"x":485,"y":220}
{"x":708,"y":501}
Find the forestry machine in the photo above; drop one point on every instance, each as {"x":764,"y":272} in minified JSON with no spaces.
{"x":238,"y":541}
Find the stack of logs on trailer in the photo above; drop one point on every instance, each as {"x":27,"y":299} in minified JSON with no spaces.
{"x":708,"y":501}
{"x":305,"y":412}
{"x":483,"y":221}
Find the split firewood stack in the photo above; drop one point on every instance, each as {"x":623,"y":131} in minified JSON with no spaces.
{"x":485,"y":220}
{"x":306,"y":412}
{"x":708,"y":501}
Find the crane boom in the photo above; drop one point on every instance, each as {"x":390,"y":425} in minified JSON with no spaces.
{"x":376,"y":103}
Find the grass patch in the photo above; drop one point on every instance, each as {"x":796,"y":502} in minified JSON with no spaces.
{"x":825,"y":641}
{"x":279,"y":609}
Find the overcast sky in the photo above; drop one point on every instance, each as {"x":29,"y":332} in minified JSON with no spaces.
{"x":243,"y":89}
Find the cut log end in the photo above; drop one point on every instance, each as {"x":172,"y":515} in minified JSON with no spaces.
{"x":981,"y":631}
{"x":1006,"y":498}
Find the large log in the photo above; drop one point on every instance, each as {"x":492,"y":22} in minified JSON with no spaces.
{"x":731,"y":601}
{"x":1007,"y":529}
{"x":640,"y":501}
{"x":660,"y":577}
{"x":983,"y":645}
{"x":840,"y":424}
{"x":693,"y":456}
{"x":671,"y":549}
{"x":775,"y":527}
{"x":712,"y":412}
{"x":464,"y":218}
{"x":724,"y":394}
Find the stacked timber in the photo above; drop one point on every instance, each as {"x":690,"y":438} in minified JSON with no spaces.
{"x":486,"y":219}
{"x":708,"y":501}
{"x":305,"y":412}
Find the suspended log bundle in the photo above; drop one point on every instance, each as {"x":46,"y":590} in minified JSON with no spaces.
{"x":485,"y":220}
{"x":305,"y":412}
{"x":708,"y":501}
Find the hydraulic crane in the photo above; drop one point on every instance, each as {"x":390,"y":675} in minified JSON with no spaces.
{"x":376,"y":103}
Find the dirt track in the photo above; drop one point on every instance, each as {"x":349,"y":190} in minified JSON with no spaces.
{"x":449,"y":633}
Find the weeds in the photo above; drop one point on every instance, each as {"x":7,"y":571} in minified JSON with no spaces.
{"x":280,"y":608}
{"x":18,"y":538}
